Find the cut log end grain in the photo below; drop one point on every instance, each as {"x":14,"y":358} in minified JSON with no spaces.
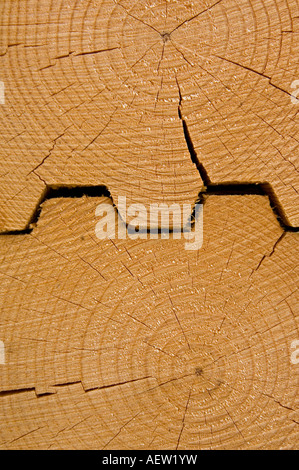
{"x":140,"y":344}
{"x":100,"y":93}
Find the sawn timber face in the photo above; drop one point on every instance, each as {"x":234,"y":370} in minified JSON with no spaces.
{"x":93,"y":89}
{"x":130,"y":344}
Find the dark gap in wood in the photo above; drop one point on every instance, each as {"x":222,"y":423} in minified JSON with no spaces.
{"x":221,"y":189}
{"x":232,"y":188}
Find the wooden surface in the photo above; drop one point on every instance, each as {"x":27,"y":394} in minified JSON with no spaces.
{"x":141,"y":344}
{"x":93,"y":89}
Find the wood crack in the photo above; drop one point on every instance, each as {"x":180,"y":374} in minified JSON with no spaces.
{"x":210,"y":189}
{"x":270,"y":254}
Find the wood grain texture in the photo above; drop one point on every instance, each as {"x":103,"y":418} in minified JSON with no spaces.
{"x":140,"y":344}
{"x":93,"y":89}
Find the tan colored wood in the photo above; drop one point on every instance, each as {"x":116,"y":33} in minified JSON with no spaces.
{"x":92,"y":91}
{"x":140,"y":344}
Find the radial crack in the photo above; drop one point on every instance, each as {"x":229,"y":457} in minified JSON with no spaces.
{"x":135,"y":17}
{"x":270,"y":254}
{"x":202,"y":171}
{"x":254,"y":71}
{"x":183,"y":421}
{"x":196,"y":16}
{"x":119,"y":384}
{"x":49,"y":153}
